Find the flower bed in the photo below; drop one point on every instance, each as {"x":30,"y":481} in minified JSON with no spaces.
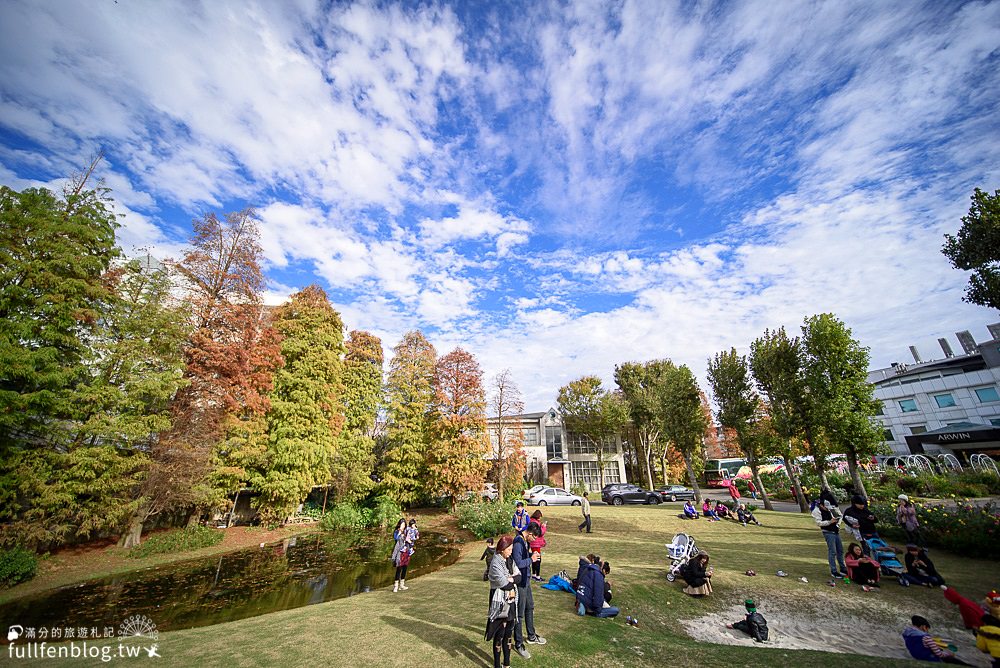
{"x":966,"y":529}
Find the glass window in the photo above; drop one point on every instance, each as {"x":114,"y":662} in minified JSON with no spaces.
{"x":987,"y":394}
{"x":944,"y":400}
{"x":908,"y":405}
{"x":530,"y":436}
{"x":919,"y":429}
{"x":887,"y":435}
{"x":553,"y":443}
{"x":995,"y":421}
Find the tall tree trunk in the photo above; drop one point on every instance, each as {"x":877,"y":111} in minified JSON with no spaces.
{"x":133,"y":534}
{"x":647,"y":464}
{"x":192,"y":520}
{"x":689,"y":465}
{"x":650,"y":466}
{"x":752,"y":461}
{"x":793,"y":475}
{"x":663,"y":466}
{"x":852,"y":464}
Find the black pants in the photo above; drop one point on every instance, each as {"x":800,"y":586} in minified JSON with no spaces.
{"x":585,"y":523}
{"x":536,"y":566}
{"x":401,"y":572}
{"x":501,"y":645}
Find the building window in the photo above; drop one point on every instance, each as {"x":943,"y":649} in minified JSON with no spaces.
{"x":878,"y":409}
{"x":581,"y":445}
{"x":944,"y":400}
{"x":887,"y":435}
{"x":530,"y":436}
{"x":553,"y":443}
{"x":908,"y":405}
{"x":588,"y":474}
{"x":995,"y":422}
{"x":987,"y":394}
{"x":919,"y":429}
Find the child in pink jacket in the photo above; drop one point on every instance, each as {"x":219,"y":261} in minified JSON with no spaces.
{"x":537,"y":544}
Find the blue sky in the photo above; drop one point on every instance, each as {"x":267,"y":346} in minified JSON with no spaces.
{"x":557,"y":187}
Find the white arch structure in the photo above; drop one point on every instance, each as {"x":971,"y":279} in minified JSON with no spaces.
{"x":983,"y":464}
{"x":948,"y":461}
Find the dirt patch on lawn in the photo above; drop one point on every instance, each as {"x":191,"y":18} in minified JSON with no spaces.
{"x":829,"y":629}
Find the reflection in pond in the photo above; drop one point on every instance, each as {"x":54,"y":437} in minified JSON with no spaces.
{"x":299,"y":571}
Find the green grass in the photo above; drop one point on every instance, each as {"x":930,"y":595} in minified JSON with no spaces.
{"x":177,"y":541}
{"x":439,"y":622}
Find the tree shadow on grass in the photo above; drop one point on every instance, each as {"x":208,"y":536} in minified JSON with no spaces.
{"x":456,"y":644}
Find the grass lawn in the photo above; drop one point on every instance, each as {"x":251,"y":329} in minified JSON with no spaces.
{"x":440,"y":620}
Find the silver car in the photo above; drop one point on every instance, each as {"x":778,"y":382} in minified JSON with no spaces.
{"x":531,"y":490}
{"x":554,"y":496}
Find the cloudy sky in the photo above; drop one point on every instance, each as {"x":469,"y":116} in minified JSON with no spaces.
{"x":557,"y":187}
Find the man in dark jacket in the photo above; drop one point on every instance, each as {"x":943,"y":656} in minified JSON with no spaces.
{"x":590,"y":593}
{"x":860,"y":511}
{"x":523,"y":556}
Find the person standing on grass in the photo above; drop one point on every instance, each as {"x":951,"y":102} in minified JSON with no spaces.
{"x":865,"y":518}
{"x":734,"y":493}
{"x":828,"y":518}
{"x":400,"y":556}
{"x":537,"y":544}
{"x":523,"y":558}
{"x":906,"y":517}
{"x":502,"y":617}
{"x":585,"y":507}
{"x":520,"y":520}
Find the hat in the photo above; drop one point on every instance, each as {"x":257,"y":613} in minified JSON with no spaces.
{"x":993,"y":597}
{"x":750,"y":605}
{"x":504,"y":543}
{"x":857,"y":498}
{"x":519,"y":503}
{"x":903,"y":497}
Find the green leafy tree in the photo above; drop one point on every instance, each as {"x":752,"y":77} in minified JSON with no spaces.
{"x":306,"y":415}
{"x":729,"y":376}
{"x":54,"y":252}
{"x":682,"y":420}
{"x":409,"y":399}
{"x":976,"y":248}
{"x":641,"y":385}
{"x":456,"y":460}
{"x":836,"y":372}
{"x":775,"y":360}
{"x":354,"y":460}
{"x":594,"y":413}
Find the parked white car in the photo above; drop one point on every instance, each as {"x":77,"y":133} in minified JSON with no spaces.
{"x":554,"y":496}
{"x":532,"y":490}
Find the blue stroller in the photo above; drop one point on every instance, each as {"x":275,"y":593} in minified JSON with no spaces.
{"x":885,"y":556}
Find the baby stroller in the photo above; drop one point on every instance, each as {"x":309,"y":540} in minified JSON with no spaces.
{"x":679,"y":551}
{"x":885,"y":556}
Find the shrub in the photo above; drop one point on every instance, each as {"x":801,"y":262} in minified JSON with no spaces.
{"x":579,"y":488}
{"x":191,"y":538}
{"x":972,"y":531}
{"x":345,"y":516}
{"x":484,"y":519}
{"x":16,"y":565}
{"x":384,"y":512}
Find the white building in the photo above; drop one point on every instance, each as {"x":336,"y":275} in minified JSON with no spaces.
{"x":947,"y":405}
{"x":566,"y":458}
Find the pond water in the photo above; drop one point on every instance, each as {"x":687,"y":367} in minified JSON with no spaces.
{"x":299,"y":571}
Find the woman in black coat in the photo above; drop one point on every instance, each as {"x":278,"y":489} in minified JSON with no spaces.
{"x":698,"y":575}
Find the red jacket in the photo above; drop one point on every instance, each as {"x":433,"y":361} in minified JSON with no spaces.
{"x":972,"y":613}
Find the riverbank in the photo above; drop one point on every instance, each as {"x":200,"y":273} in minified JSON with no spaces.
{"x":96,"y":560}
{"x":439,"y":621}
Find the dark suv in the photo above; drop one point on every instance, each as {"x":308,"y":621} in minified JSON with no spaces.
{"x":620,"y":493}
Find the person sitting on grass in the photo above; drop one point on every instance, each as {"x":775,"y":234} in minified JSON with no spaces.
{"x":923,"y":647}
{"x":919,"y":567}
{"x":690,"y":513}
{"x":860,"y":567}
{"x":698,"y":576}
{"x":754,"y":624}
{"x":722,"y":511}
{"x":606,"y":570}
{"x":744,"y":516}
{"x":590,"y":593}
{"x":708,"y":511}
